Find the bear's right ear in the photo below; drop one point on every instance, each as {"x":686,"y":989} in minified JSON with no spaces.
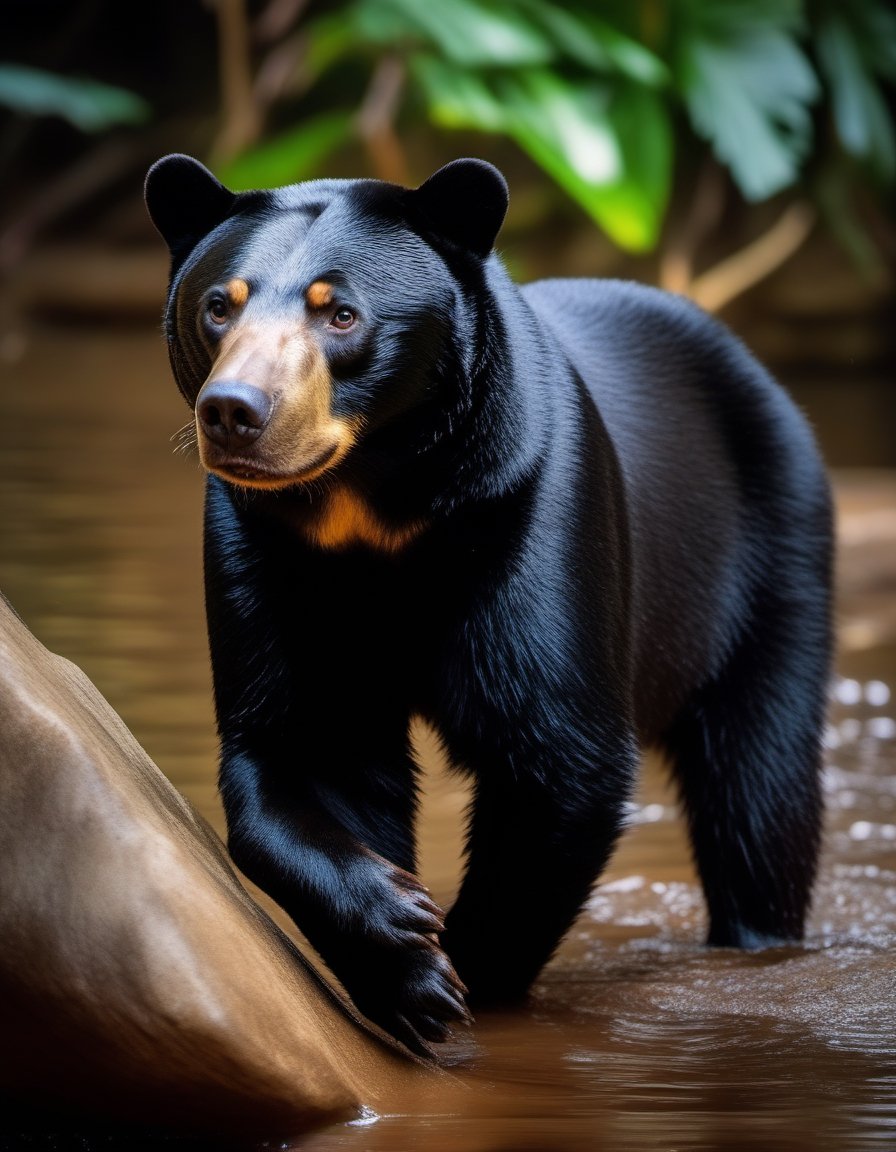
{"x":185,"y":202}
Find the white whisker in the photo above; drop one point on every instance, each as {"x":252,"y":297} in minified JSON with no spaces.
{"x":186,"y":439}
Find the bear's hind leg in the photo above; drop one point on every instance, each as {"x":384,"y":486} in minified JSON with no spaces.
{"x":746,"y":753}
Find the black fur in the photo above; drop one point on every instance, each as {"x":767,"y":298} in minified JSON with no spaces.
{"x":627,"y":540}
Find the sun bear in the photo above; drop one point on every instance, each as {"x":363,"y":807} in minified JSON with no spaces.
{"x":558,"y":522}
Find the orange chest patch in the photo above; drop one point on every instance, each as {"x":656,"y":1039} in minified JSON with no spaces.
{"x":345,"y":518}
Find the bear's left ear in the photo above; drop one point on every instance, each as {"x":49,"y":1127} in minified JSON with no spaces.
{"x":465,"y":202}
{"x":185,"y":202}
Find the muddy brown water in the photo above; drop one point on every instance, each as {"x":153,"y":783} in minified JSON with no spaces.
{"x":636,"y":1037}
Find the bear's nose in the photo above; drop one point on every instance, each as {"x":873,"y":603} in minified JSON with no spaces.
{"x":233,"y":414}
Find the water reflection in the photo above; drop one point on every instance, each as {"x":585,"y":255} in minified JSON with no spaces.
{"x":636,"y":1037}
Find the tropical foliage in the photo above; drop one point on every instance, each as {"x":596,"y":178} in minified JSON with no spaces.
{"x":602,"y":93}
{"x":608,"y":97}
{"x":87,"y":104}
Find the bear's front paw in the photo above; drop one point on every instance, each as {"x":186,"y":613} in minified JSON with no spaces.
{"x":415,"y":995}
{"x":393,"y":967}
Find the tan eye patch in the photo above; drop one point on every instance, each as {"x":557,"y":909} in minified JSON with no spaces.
{"x":237,"y":292}
{"x":320,"y":294}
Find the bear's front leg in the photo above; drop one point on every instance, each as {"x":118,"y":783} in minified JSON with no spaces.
{"x":537,"y":842}
{"x":314,"y":850}
{"x":316,"y":780}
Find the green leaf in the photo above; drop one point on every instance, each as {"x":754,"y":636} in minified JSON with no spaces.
{"x":548,"y":115}
{"x":384,"y":22}
{"x":732,"y":18}
{"x":290,"y":157}
{"x":88,"y":104}
{"x":748,"y":88}
{"x":643,"y":126}
{"x":880,"y":36}
{"x":596,"y":45}
{"x":458,"y":99}
{"x":570,"y":33}
{"x":629,"y":57}
{"x":468,"y":32}
{"x":611,"y":153}
{"x":625,"y":141}
{"x":852,"y":45}
{"x":331,"y":39}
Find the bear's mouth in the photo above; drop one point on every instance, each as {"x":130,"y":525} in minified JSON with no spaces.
{"x":249,"y":473}
{"x":244,"y":472}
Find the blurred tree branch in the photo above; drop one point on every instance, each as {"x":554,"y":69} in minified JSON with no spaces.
{"x":702,"y":219}
{"x":241,"y":116}
{"x":732,"y":276}
{"x":278,"y":19}
{"x":719,"y":284}
{"x":376,"y":120}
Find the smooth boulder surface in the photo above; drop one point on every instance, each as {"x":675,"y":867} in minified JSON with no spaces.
{"x":138,"y":980}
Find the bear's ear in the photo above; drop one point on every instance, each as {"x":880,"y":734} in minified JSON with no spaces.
{"x":465,"y":202}
{"x":185,"y":202}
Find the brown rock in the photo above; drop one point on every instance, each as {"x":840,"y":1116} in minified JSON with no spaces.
{"x":137,"y":977}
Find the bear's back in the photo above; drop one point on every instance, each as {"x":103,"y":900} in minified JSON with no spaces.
{"x":712,"y":452}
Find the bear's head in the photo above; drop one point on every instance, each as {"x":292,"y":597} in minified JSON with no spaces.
{"x":302,"y":320}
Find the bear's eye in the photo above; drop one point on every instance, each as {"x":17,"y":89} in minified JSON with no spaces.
{"x":217,"y":310}
{"x":342,"y":319}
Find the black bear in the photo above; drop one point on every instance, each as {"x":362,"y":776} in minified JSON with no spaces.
{"x":557,"y":522}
